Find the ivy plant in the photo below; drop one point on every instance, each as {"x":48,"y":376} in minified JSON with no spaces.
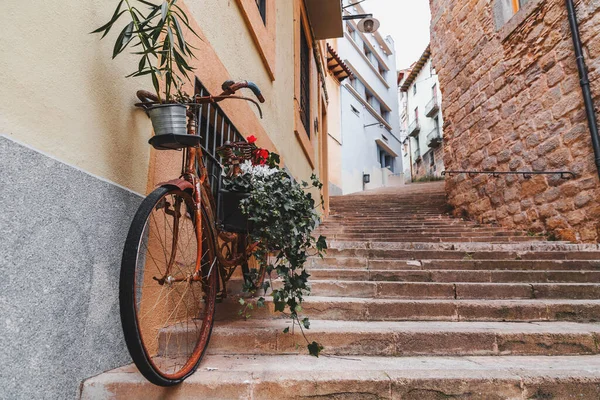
{"x":156,"y":33}
{"x":284,"y":215}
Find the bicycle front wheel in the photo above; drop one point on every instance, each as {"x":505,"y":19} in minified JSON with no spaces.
{"x":167,"y":303}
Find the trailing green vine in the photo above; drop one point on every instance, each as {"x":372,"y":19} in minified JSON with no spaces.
{"x":283,"y":214}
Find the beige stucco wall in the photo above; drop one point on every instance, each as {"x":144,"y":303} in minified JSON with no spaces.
{"x":334,"y":124}
{"x":223,"y":24}
{"x":62,"y":94}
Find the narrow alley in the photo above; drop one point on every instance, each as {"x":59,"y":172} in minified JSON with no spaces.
{"x":411,"y":303}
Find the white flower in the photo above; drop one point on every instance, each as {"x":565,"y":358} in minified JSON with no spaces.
{"x":257,"y":171}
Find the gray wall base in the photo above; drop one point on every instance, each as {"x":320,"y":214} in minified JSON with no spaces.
{"x":62,"y":235}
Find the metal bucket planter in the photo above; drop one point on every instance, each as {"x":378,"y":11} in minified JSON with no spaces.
{"x":168,"y":119}
{"x":230,"y":213}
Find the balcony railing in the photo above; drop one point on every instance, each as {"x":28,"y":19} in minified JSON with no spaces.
{"x":432,"y":108}
{"x":434,"y":139}
{"x":417,"y":155}
{"x":414,"y":128}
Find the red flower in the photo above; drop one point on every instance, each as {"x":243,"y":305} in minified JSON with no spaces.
{"x":251,"y":139}
{"x":261,"y":156}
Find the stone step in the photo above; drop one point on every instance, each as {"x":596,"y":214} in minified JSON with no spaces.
{"x":406,"y":338}
{"x":366,"y":309}
{"x":439,"y":231}
{"x":495,"y":276}
{"x":435,"y":239}
{"x":447,"y":264}
{"x":459,"y":291}
{"x":409,"y":378}
{"x":475,"y":254}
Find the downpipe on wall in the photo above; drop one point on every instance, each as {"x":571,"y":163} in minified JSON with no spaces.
{"x":584,"y":82}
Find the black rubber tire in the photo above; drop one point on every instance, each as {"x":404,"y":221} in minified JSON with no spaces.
{"x":128,"y":313}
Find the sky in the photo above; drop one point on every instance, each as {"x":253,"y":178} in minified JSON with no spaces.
{"x":407,"y":21}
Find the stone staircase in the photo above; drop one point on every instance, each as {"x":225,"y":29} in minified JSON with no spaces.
{"x":411,"y":304}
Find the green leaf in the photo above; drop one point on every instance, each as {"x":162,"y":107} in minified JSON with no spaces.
{"x":110,"y":23}
{"x":154,"y":6}
{"x":123,"y":39}
{"x":321,"y":243}
{"x":286,"y":330}
{"x":306,"y":323}
{"x":164,"y":9}
{"x":260,"y":302}
{"x":179,"y":33}
{"x":155,"y":82}
{"x":242,"y":301}
{"x":171,"y":41}
{"x":280,"y":306}
{"x":314,"y":349}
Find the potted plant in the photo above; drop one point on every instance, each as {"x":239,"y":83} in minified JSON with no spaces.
{"x":157,"y":34}
{"x":282,"y":215}
{"x":238,"y":158}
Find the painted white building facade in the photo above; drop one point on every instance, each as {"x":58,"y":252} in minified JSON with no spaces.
{"x":371,"y":147}
{"x":422,"y":149}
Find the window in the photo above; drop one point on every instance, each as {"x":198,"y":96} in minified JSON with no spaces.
{"x":354,"y":110}
{"x":304,"y":81}
{"x":385,"y":160}
{"x":351,"y":31}
{"x":417,"y":114}
{"x":260,"y":18}
{"x":434,"y":92}
{"x":384,"y":113}
{"x":415,"y":88}
{"x":262,"y":8}
{"x":504,"y":10}
{"x":382,"y":72}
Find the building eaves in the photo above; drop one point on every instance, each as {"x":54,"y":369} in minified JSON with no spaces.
{"x":336,"y":66}
{"x":418,"y":66}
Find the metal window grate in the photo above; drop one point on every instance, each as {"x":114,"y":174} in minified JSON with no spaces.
{"x":215,"y":128}
{"x":304,"y":81}
{"x":262,"y":8}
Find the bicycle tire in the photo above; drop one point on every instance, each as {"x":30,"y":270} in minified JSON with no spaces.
{"x":144,"y":306}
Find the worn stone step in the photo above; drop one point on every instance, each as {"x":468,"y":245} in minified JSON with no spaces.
{"x":465,"y":264}
{"x":402,"y":338}
{"x":435,"y":231}
{"x":459,"y":290}
{"x":409,"y":378}
{"x":367,"y":309}
{"x":431,"y":275}
{"x":435,"y":239}
{"x":506,"y":254}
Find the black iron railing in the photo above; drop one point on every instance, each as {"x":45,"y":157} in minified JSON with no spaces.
{"x":215,"y":128}
{"x":526,"y":174}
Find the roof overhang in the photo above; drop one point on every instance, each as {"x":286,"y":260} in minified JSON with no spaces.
{"x":325,"y":18}
{"x":338,"y":68}
{"x":416,"y":69}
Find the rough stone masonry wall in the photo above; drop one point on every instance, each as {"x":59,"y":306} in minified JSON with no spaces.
{"x":512,"y":101}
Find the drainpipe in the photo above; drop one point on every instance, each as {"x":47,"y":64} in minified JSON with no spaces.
{"x":584,"y":82}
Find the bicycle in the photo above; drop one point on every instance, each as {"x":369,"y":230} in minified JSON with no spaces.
{"x":174,"y":255}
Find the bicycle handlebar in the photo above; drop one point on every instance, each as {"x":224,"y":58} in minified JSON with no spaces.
{"x":230,"y":87}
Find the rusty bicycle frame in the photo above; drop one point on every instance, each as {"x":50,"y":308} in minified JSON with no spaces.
{"x":193,"y":179}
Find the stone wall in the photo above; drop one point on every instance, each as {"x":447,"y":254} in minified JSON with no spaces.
{"x":62,"y":236}
{"x":512,"y":102}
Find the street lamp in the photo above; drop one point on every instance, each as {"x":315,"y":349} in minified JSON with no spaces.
{"x":367,"y":23}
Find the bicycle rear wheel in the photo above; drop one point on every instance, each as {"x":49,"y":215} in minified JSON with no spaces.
{"x":166,"y":308}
